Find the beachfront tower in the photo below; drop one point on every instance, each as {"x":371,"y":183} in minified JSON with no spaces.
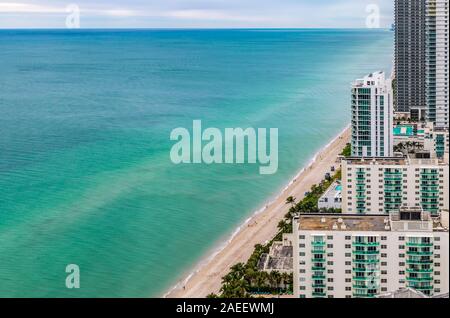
{"x":363,"y":256}
{"x":372,"y":116}
{"x":437,"y":52}
{"x":410,"y":56}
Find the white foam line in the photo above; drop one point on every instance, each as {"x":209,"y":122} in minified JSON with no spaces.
{"x":224,"y":244}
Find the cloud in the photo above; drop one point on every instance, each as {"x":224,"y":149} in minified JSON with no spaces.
{"x":194,"y":13}
{"x":119,"y":13}
{"x":16,"y":7}
{"x":213,"y":15}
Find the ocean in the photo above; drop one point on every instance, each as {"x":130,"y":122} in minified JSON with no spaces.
{"x":85,"y":172}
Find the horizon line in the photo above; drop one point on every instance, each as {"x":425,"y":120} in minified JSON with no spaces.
{"x":195,"y":28}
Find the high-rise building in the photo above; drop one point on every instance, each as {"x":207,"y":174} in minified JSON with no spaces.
{"x":372,"y":116}
{"x":384,"y":185}
{"x":437,"y":53}
{"x":346,"y":256}
{"x":410,"y":56}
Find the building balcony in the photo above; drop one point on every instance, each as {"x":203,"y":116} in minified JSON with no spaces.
{"x":419,"y":261}
{"x":419,"y":279}
{"x":366,"y":243}
{"x":419,"y":243}
{"x":318,"y":285}
{"x":421,"y":270}
{"x":419,"y":253}
{"x":365,"y":252}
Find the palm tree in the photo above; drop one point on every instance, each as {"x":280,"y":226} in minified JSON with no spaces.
{"x":260,"y":280}
{"x":290,"y":200}
{"x":286,"y":279}
{"x":282,"y":224}
{"x":238,"y":270}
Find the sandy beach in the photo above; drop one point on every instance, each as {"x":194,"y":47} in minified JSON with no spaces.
{"x":261,"y":228}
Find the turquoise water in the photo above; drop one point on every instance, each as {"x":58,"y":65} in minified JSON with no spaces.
{"x":85,"y":173}
{"x":403,"y":130}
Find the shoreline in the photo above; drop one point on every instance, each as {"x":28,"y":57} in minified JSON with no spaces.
{"x":260,"y":227}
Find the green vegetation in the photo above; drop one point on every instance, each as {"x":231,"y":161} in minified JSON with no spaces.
{"x":347,"y":152}
{"x":408,"y":147}
{"x":309,"y":202}
{"x":245,"y":280}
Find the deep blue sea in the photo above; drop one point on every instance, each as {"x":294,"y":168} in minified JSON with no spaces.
{"x":86,"y":115}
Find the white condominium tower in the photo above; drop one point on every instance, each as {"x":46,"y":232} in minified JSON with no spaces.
{"x":346,"y":256}
{"x":372,"y":116}
{"x":437,"y":53}
{"x":384,"y":185}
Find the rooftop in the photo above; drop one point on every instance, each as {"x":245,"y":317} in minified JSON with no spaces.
{"x":407,"y":130}
{"x":333,"y":191}
{"x":370,"y":79}
{"x":343,"y":222}
{"x":403,"y":293}
{"x":280,"y":258}
{"x":407,"y":220}
{"x":394,"y":161}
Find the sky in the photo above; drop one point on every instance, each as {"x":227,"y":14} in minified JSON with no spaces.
{"x":195,"y":13}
